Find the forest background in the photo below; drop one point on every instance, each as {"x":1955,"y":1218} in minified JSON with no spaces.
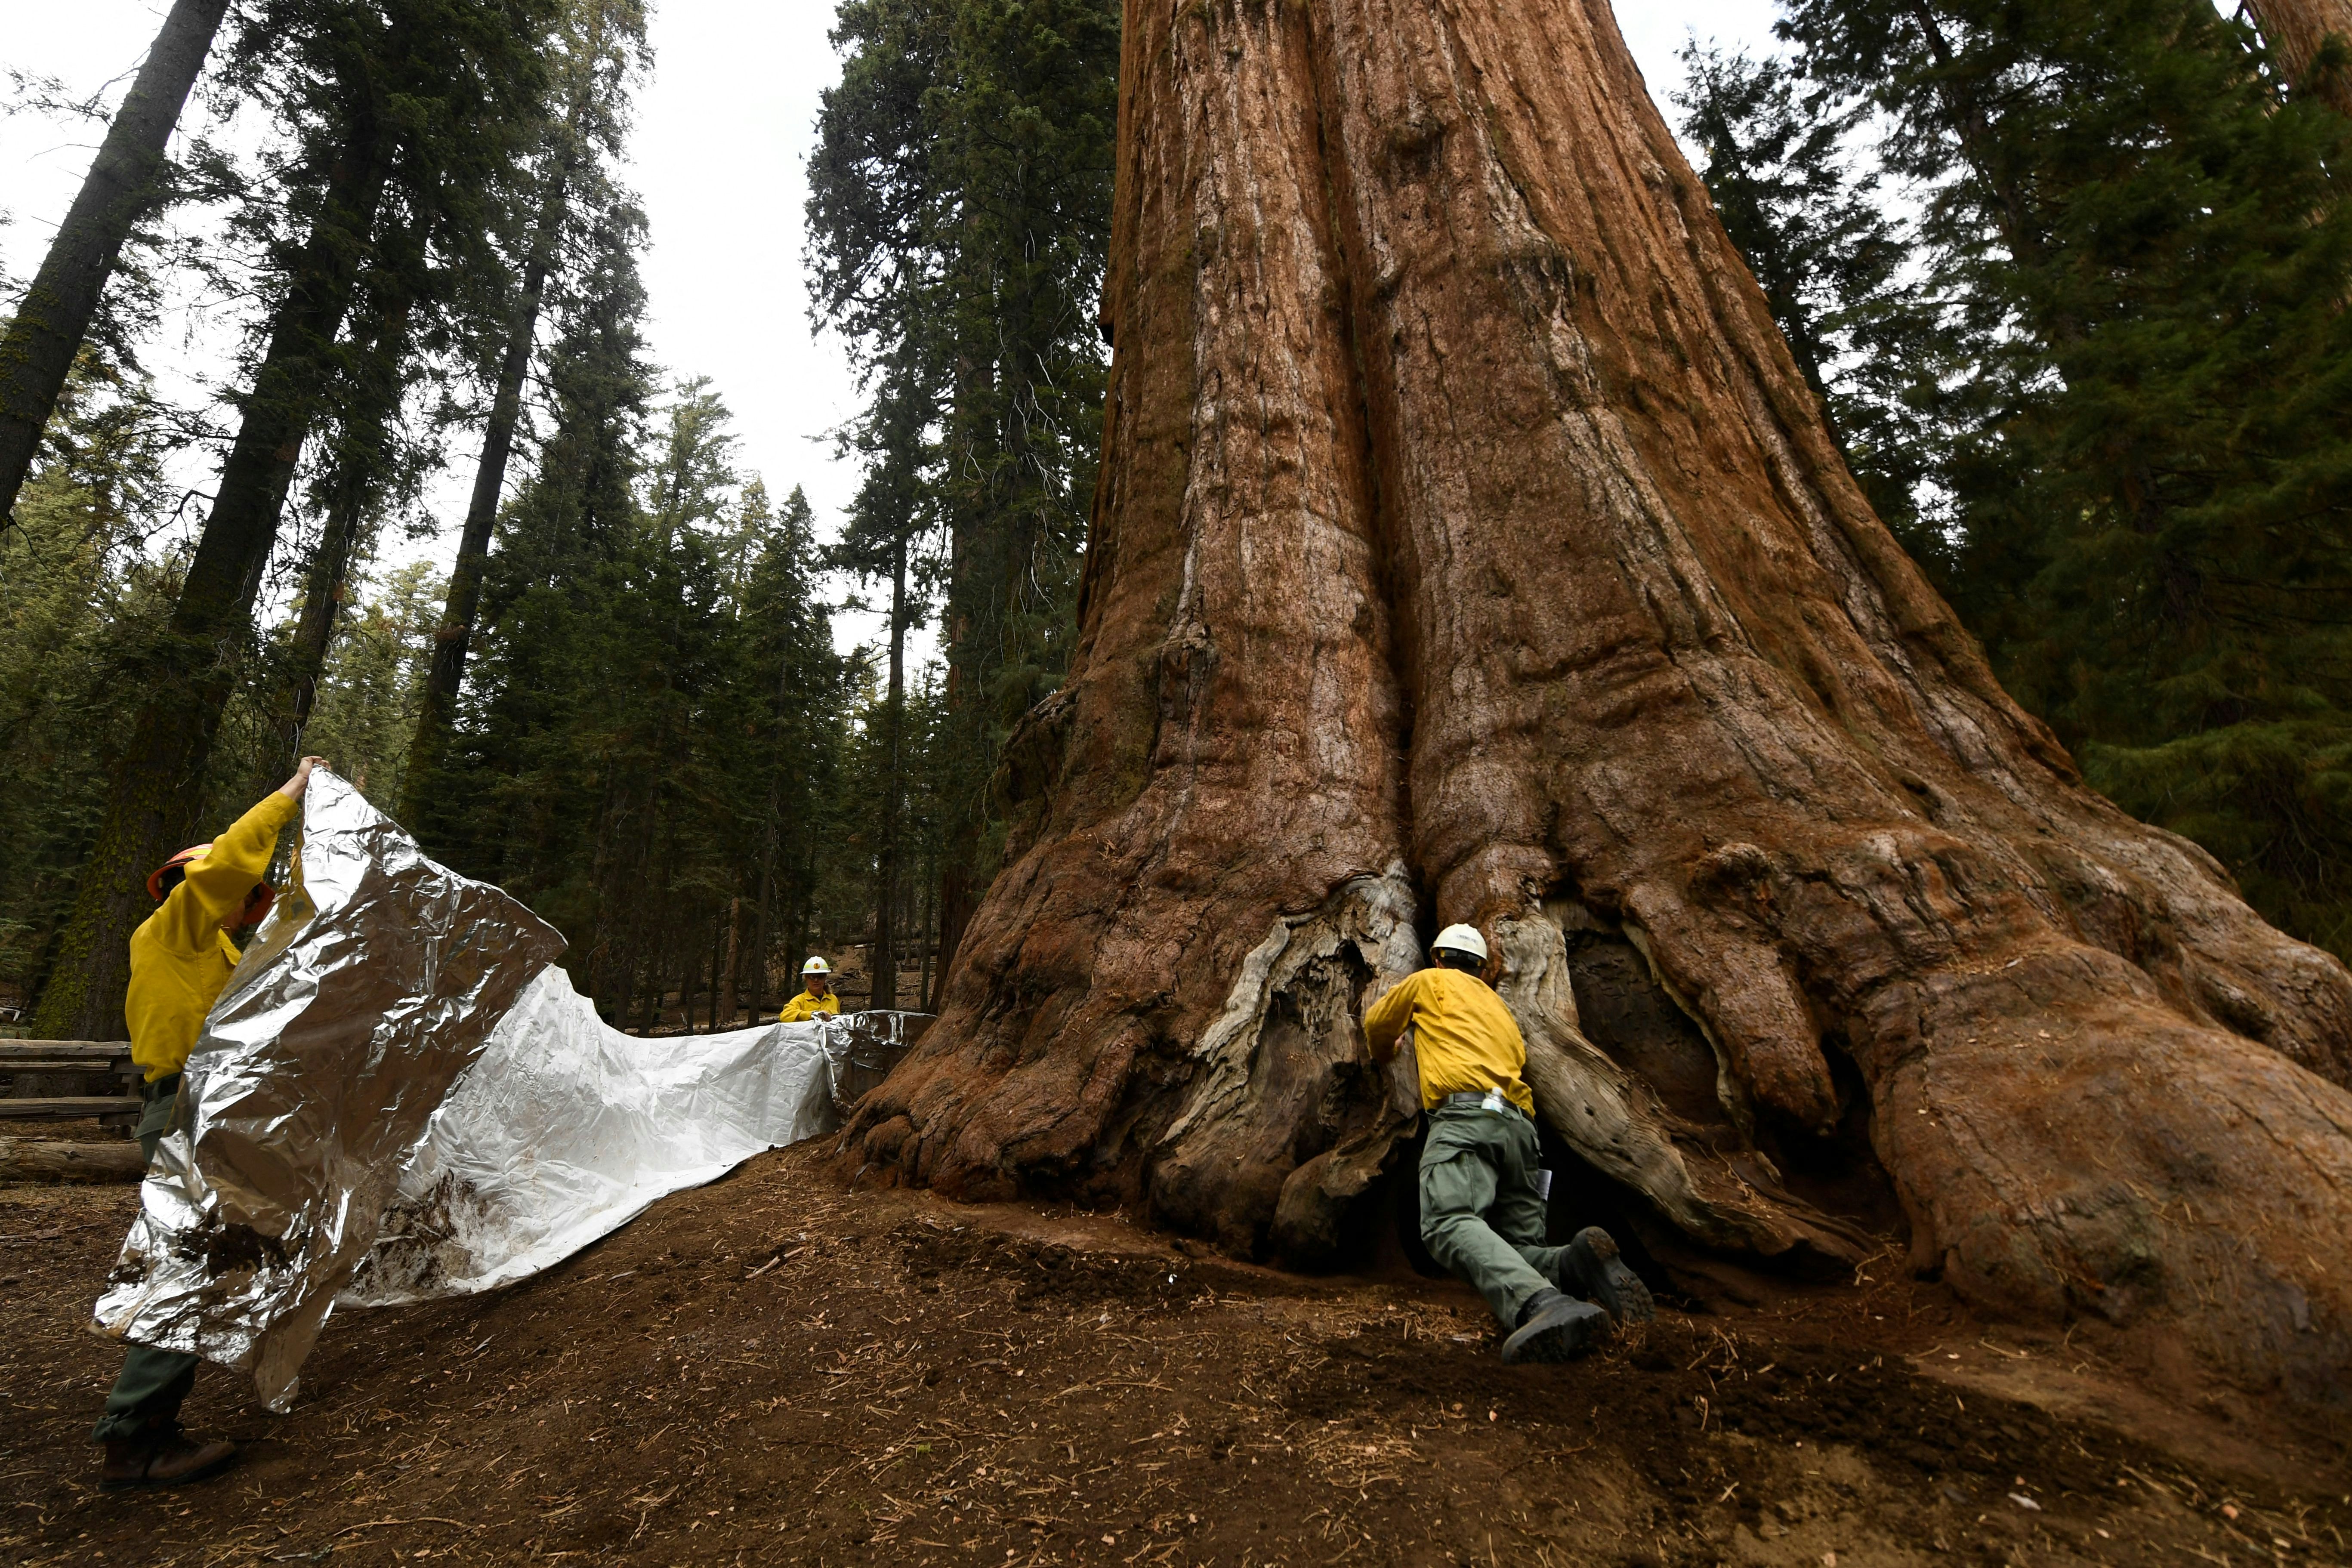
{"x":2066,"y":274}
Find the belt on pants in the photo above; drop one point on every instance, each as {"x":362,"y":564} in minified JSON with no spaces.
{"x":1475,"y":1100}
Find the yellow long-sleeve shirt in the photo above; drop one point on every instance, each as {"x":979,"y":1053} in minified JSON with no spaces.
{"x":180,"y":958}
{"x":803,"y":1007}
{"x":1464,"y":1038}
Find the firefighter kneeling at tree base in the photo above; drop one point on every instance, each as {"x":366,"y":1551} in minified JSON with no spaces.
{"x":181,"y":961}
{"x":816,"y":997}
{"x":1482,"y":1210}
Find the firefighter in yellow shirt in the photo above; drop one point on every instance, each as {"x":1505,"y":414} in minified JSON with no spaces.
{"x":1482,"y":1207}
{"x":180,"y":959}
{"x":816,"y":996}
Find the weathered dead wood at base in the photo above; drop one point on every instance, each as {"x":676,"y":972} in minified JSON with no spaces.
{"x":1469,"y":548}
{"x":46,"y":1160}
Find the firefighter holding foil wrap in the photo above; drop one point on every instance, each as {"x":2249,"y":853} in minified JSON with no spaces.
{"x":180,"y":959}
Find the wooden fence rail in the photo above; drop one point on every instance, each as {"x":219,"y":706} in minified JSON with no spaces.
{"x":22,"y":1059}
{"x":80,"y":1056}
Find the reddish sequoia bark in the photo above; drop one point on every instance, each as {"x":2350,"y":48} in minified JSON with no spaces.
{"x":2296,"y":30}
{"x":1220,"y":794}
{"x":1469,"y":549}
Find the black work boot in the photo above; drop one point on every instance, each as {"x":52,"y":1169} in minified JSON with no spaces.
{"x":160,"y":1455}
{"x":1601,"y":1274}
{"x":1553,"y":1327}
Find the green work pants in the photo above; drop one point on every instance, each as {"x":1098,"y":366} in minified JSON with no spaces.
{"x":1481,"y":1214}
{"x":153,"y":1381}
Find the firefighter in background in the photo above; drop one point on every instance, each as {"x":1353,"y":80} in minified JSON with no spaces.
{"x":816,"y":996}
{"x":180,"y":959}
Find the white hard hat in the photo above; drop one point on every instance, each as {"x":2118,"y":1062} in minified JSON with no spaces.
{"x":1462,"y":938}
{"x":819,"y":966}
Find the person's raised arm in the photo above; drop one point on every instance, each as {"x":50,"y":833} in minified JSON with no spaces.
{"x":1385,"y":1020}
{"x":217,"y":886}
{"x":292,"y":788}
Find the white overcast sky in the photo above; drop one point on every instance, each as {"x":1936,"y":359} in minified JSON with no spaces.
{"x":723,"y":130}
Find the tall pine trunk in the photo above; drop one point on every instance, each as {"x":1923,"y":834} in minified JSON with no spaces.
{"x":927,"y":939}
{"x":763,"y":924}
{"x":2297,"y":31}
{"x":158,"y":779}
{"x":445,"y":677}
{"x":358,"y":473}
{"x":965,"y":698}
{"x":323,"y":586}
{"x":1469,"y":548}
{"x":732,"y":973}
{"x":124,"y":183}
{"x":893,"y":790}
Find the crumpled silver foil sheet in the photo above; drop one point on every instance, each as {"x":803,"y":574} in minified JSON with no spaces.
{"x":401,"y":1097}
{"x":567,"y":1129}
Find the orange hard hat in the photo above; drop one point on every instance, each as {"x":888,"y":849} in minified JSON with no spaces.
{"x":155,"y":888}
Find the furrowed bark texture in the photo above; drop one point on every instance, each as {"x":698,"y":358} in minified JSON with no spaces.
{"x":2296,"y":30}
{"x":1212,"y":848}
{"x":1469,"y":549}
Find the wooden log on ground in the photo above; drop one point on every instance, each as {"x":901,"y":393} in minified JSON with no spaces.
{"x":70,"y":1107}
{"x":32,"y":1160}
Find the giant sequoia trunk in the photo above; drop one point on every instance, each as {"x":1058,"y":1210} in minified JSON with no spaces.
{"x":1468,"y":548}
{"x":2298,"y":32}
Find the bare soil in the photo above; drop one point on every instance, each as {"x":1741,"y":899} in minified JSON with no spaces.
{"x":777,"y":1368}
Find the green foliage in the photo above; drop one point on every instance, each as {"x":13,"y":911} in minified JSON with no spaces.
{"x":374,"y":677}
{"x":77,"y":602}
{"x":1839,"y":271}
{"x":958,"y":225}
{"x":649,"y":746}
{"x":2134,"y":254}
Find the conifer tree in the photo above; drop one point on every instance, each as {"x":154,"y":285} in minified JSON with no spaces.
{"x":516,"y":808}
{"x":373,"y":677}
{"x":1836,"y":267}
{"x":603,"y":47}
{"x":647,"y":744}
{"x":960,"y":215}
{"x":880,"y":541}
{"x":128,"y":180}
{"x":361,"y":467}
{"x":77,"y":599}
{"x":2153,"y":500}
{"x":411,"y":114}
{"x":796,"y":750}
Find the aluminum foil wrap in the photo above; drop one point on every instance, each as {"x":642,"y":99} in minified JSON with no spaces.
{"x":400,"y":1096}
{"x":567,"y":1129}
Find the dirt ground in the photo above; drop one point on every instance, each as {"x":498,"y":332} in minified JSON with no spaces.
{"x":777,"y":1368}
